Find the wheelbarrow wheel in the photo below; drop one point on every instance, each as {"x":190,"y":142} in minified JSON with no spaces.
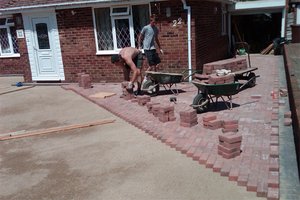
{"x":151,"y":87}
{"x":252,"y":79}
{"x":201,"y":103}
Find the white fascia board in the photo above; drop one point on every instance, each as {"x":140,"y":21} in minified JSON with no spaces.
{"x":252,"y":5}
{"x":66,"y":5}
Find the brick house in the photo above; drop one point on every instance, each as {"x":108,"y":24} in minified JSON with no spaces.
{"x":53,"y":40}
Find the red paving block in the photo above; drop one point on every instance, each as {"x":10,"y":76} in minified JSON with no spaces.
{"x":234,"y":173}
{"x":242,"y":180}
{"x":229,"y":155}
{"x":252,"y":183}
{"x":150,"y":105}
{"x":262,"y":189}
{"x":204,"y":157}
{"x":197,"y":154}
{"x":191,"y":151}
{"x":228,"y":150}
{"x":230,"y":137}
{"x":274,"y":151}
{"x":274,"y":164}
{"x":231,"y":145}
{"x":209,"y":117}
{"x":218,"y":165}
{"x":213,"y":124}
{"x":226,"y":169}
{"x":211,"y":161}
{"x":231,"y":126}
{"x":273,"y":194}
{"x":273,"y":179}
{"x":256,"y":96}
{"x":188,"y":124}
{"x":229,"y":130}
{"x":86,"y":81}
{"x":230,"y":121}
{"x":80,"y":83}
{"x":189,"y":113}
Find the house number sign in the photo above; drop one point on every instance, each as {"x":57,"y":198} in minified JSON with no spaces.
{"x":20,"y":33}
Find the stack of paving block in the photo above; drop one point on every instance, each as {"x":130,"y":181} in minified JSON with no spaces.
{"x":230,"y":126}
{"x":150,"y":106}
{"x":210,"y":121}
{"x":142,"y":100}
{"x":229,"y":145}
{"x":125,"y":94}
{"x":165,"y":113}
{"x":84,"y":80}
{"x":233,"y":64}
{"x":215,"y":79}
{"x":79,"y":78}
{"x":188,"y":118}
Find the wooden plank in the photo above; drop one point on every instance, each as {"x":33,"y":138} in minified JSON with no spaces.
{"x":10,"y":136}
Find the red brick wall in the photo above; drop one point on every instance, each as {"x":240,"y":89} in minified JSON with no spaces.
{"x":77,"y":41}
{"x":173,"y":39}
{"x":208,"y":41}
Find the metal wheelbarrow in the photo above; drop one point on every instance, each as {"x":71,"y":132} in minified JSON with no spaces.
{"x":167,"y":80}
{"x":208,"y":93}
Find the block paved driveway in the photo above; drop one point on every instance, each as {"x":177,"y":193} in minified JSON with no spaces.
{"x":258,"y":113}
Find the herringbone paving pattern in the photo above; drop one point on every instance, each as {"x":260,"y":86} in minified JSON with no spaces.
{"x":257,"y":112}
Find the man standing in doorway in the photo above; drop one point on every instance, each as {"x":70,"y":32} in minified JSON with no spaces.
{"x":148,"y":36}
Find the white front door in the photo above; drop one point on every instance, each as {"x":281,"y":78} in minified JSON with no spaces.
{"x":43,"y":47}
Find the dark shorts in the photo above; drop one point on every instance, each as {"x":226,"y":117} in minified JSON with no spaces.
{"x":152,"y":57}
{"x":138,"y":61}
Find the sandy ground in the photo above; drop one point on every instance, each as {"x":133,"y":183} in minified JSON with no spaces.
{"x":112,"y":161}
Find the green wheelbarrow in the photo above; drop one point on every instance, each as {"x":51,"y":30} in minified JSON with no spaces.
{"x":210,"y":93}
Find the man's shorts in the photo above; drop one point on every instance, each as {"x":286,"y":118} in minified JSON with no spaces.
{"x":138,"y":61}
{"x":152,"y":57}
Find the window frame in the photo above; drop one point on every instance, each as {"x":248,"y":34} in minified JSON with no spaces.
{"x":114,"y":17}
{"x":7,"y":26}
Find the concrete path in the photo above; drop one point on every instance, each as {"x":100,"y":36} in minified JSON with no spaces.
{"x":113,"y":162}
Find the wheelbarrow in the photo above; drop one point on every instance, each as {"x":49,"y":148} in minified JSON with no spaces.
{"x":210,"y":93}
{"x":166,"y":80}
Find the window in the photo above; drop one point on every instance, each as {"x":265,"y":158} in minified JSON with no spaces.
{"x":8,"y":38}
{"x":119,"y":27}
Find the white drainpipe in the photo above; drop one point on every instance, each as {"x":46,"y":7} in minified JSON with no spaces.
{"x":188,"y":8}
{"x":298,"y":15}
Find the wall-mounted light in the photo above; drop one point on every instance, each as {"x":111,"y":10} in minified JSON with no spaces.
{"x":215,"y":10}
{"x":73,"y":12}
{"x":168,"y":12}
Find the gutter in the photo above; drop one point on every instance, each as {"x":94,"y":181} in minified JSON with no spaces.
{"x":188,"y":8}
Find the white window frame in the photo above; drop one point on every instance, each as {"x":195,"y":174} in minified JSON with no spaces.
{"x":131,"y":31}
{"x":112,"y":13}
{"x":128,"y":16}
{"x":10,"y":42}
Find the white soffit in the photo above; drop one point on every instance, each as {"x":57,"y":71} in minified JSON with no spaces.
{"x":264,"y":4}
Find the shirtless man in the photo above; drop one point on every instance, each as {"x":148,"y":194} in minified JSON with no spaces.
{"x":130,"y":58}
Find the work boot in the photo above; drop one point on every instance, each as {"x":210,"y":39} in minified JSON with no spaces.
{"x":129,"y":88}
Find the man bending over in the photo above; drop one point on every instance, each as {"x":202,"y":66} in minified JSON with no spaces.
{"x":130,"y":58}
